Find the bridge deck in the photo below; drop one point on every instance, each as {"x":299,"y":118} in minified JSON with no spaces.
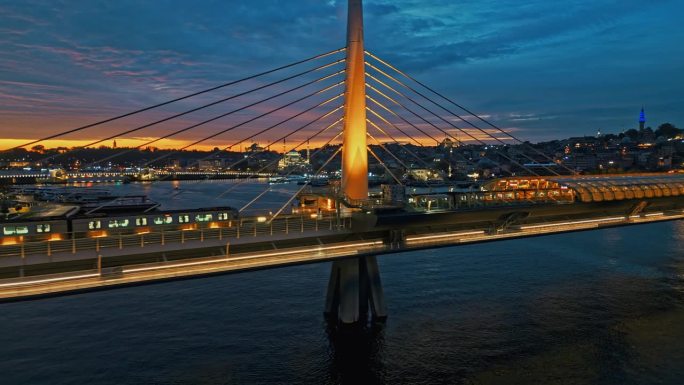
{"x":370,"y":243}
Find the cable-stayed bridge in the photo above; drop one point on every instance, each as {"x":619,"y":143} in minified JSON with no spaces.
{"x":356,"y":107}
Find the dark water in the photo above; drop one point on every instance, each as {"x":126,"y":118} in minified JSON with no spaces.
{"x":603,"y":307}
{"x":194,"y":194}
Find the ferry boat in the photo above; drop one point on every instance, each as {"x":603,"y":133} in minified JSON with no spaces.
{"x":286,"y":179}
{"x":56,"y":176}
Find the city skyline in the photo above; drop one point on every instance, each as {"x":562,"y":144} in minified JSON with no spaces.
{"x":536,"y":69}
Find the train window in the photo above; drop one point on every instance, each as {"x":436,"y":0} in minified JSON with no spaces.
{"x":223,"y":217}
{"x":92,"y":225}
{"x":203,"y":217}
{"x":43,"y":228}
{"x":183,"y":219}
{"x":118,"y":223}
{"x":141,"y":221}
{"x":163,"y":220}
{"x":11,"y":230}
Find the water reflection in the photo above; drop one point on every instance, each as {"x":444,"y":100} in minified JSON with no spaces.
{"x":355,"y":353}
{"x":208,"y":193}
{"x":678,"y":234}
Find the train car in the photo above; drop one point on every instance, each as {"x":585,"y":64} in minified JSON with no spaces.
{"x":131,"y":223}
{"x":30,"y":230}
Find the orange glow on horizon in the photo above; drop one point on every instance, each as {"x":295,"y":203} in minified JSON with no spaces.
{"x":314,"y":144}
{"x":120,"y":143}
{"x":132,"y":143}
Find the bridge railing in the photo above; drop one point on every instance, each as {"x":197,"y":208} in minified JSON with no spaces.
{"x":102,"y":270}
{"x":235,"y":229}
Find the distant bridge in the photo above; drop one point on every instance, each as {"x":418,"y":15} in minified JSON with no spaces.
{"x":113,"y":176}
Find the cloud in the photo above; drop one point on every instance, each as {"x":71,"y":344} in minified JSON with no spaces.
{"x":539,"y":66}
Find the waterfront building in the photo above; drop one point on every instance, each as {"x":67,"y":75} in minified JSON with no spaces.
{"x":293,"y":159}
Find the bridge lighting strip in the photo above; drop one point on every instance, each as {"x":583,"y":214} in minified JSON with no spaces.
{"x":409,"y":239}
{"x":47,"y":280}
{"x":229,"y":259}
{"x":572,"y":223}
{"x":654,"y":214}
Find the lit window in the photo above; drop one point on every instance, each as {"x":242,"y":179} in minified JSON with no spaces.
{"x":203,"y":217}
{"x":141,"y":221}
{"x":163,"y":220}
{"x":223,"y":217}
{"x":43,"y":228}
{"x":183,"y":219}
{"x":22,"y":230}
{"x":118,"y":223}
{"x":9,"y":230}
{"x":92,"y":225}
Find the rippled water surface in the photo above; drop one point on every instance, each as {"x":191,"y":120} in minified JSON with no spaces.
{"x":602,"y":307}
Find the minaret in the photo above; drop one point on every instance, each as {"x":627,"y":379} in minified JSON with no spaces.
{"x":354,"y":152}
{"x":308,"y":152}
{"x":642,"y":119}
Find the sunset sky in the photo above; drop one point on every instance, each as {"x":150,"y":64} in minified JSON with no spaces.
{"x":544,"y":69}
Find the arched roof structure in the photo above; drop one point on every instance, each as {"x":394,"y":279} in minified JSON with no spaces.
{"x":599,"y":188}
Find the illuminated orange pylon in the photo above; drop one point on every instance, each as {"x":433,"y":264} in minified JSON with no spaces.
{"x":354,"y":153}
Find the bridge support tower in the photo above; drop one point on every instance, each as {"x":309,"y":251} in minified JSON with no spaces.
{"x":355,"y":283}
{"x":353,"y":289}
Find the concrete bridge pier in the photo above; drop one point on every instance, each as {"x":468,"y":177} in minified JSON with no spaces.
{"x":354,"y":287}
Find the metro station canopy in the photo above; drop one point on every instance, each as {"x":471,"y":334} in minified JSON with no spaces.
{"x":594,"y":188}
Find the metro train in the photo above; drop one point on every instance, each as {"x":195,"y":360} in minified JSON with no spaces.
{"x":40,"y":229}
